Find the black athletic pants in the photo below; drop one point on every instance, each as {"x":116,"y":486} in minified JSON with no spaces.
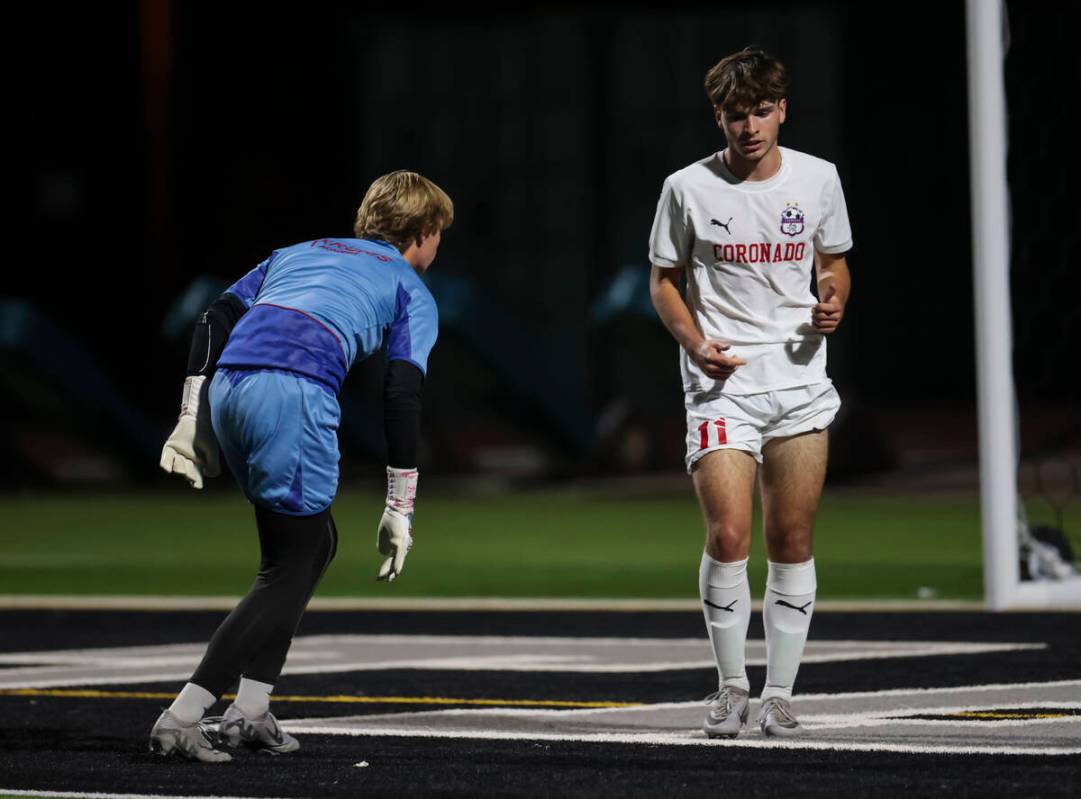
{"x":254,"y":639}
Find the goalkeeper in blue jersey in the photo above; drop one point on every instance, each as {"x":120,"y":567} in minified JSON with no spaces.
{"x":267,"y":361}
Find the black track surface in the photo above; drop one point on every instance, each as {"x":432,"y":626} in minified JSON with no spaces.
{"x":99,"y":745}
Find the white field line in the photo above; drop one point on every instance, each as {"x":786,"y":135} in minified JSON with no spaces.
{"x":444,"y":664}
{"x":36,"y":664}
{"x":800,"y":698}
{"x":875,"y":718}
{"x":73,"y":682}
{"x":817,"y":721}
{"x":323,"y":641}
{"x":79,"y":795}
{"x":906,"y":716}
{"x":517,"y":712}
{"x":812,"y":723}
{"x":951,"y":724}
{"x":435,"y":604}
{"x":685,"y":739}
{"x":515,"y":663}
{"x":944,"y":710}
{"x":65,"y":656}
{"x":900,"y":649}
{"x":45,"y":660}
{"x":845,"y":646}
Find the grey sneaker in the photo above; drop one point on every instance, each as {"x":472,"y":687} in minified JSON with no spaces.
{"x":776,"y":719}
{"x":171,"y":736}
{"x":261,"y":733}
{"x":727,"y":713}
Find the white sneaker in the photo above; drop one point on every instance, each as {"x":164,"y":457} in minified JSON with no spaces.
{"x":727,"y":713}
{"x":170,"y":736}
{"x":261,"y":733}
{"x":776,"y":719}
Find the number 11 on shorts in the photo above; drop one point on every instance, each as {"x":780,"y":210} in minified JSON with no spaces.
{"x":722,"y":437}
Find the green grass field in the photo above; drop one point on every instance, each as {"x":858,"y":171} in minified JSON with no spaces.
{"x":524,"y":544}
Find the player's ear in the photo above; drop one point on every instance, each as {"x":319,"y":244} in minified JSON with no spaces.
{"x":782,"y":106}
{"x":718,"y":114}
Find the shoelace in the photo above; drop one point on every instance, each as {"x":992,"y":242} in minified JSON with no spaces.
{"x":716,"y":696}
{"x":208,"y":729}
{"x":780,"y":708}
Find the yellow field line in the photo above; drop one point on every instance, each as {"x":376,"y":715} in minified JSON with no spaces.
{"x":346,"y":699}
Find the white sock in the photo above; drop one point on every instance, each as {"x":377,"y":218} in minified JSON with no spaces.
{"x":192,"y":703}
{"x":726,"y":603}
{"x":253,"y":697}
{"x":786,"y":613}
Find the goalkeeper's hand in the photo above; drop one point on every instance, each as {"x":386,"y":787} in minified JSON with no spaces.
{"x":192,"y":450}
{"x":395,"y":540}
{"x":395,"y":534}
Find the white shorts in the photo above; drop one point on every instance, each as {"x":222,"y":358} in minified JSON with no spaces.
{"x":749,"y":421}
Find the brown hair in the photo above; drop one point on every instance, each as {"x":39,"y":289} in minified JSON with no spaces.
{"x":746,"y":79}
{"x":401,"y":208}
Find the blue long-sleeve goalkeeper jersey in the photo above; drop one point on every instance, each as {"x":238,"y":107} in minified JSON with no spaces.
{"x":317,"y":307}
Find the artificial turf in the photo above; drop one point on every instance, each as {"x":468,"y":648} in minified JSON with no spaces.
{"x":544,"y":543}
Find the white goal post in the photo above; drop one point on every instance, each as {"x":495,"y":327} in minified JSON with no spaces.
{"x":1003,"y":588}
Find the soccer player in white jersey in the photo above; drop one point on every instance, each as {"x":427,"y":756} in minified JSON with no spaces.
{"x":748,"y":228}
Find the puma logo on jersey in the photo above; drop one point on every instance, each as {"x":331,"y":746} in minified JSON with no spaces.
{"x":727,"y":607}
{"x":722,"y":224}
{"x":800,"y":608}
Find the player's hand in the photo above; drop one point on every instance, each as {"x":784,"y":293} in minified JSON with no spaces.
{"x":191,"y":450}
{"x":828,"y":313}
{"x":711,"y":359}
{"x":395,"y":540}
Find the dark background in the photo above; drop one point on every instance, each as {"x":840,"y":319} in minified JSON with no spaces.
{"x":165,"y":141}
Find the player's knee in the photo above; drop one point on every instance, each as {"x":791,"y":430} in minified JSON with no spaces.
{"x":791,"y":544}
{"x":727,"y":542}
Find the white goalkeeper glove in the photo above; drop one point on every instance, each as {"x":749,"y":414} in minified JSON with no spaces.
{"x":394,"y":536}
{"x":192,"y":450}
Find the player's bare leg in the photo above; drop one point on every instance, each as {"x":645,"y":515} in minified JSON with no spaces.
{"x":793,"y":471}
{"x":724,"y":482}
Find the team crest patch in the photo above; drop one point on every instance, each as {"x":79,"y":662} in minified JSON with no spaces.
{"x":792,"y":219}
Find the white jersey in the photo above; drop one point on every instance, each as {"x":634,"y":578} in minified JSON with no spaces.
{"x":747,"y":248}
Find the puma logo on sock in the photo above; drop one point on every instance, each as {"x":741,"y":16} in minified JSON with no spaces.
{"x":723,"y":607}
{"x":800,"y":608}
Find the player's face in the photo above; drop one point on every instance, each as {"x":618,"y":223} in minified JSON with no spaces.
{"x":752,"y":132}
{"x":429,"y":245}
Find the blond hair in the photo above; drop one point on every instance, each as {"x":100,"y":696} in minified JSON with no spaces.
{"x":401,"y":208}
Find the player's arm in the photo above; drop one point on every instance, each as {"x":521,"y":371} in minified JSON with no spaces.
{"x":673,"y":311}
{"x":402,"y":392}
{"x":834,"y":287}
{"x":192,"y":450}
